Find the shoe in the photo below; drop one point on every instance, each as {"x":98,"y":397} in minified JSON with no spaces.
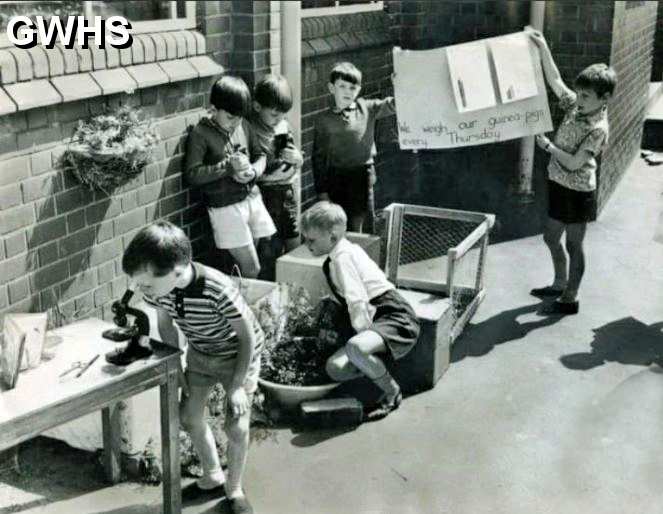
{"x":240,"y":505}
{"x":542,"y":292}
{"x":211,"y":482}
{"x":558,"y":307}
{"x":384,"y":408}
{"x":130,"y":353}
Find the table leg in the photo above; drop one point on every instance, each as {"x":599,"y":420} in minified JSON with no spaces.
{"x":170,"y":439}
{"x":112,"y":452}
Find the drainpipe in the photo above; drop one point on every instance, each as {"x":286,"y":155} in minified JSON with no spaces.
{"x":291,"y":69}
{"x":524,"y":189}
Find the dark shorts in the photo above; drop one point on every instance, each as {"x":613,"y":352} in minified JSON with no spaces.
{"x":349,"y":188}
{"x":396,"y":322}
{"x":570,"y":206}
{"x":281,"y":203}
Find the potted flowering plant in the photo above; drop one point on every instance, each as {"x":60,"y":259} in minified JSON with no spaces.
{"x":108,"y":150}
{"x":293,"y":359}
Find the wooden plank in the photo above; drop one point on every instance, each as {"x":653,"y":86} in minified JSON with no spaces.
{"x":437,"y":212}
{"x":170,"y":448}
{"x":394,"y":243}
{"x":466,"y":244}
{"x":423,"y":285}
{"x":112,"y":453}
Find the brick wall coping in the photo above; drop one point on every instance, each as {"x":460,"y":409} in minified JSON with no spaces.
{"x":331,"y":34}
{"x":39,"y":77}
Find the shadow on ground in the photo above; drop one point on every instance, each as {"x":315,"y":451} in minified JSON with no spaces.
{"x":480,"y":338}
{"x":627,"y":341}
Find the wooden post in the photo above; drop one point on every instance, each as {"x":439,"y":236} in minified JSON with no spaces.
{"x":112,"y":453}
{"x":170,"y":441}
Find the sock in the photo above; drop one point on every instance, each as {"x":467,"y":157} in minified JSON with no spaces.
{"x":387,"y":383}
{"x":211,"y":480}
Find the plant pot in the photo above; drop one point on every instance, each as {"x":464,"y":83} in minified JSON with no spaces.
{"x":288,"y":397}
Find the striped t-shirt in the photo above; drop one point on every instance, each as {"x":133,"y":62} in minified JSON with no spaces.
{"x":203,"y":309}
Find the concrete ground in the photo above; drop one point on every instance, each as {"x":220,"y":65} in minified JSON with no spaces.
{"x":535,"y":415}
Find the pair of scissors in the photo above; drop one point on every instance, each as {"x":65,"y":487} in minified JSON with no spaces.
{"x":81,"y":366}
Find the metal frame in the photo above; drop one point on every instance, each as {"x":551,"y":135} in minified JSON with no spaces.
{"x":396,"y":212}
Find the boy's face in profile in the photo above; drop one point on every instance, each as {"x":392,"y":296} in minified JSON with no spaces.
{"x":344,"y":92}
{"x":319,"y":242}
{"x":153,"y":285}
{"x":589,"y":101}
{"x":227,"y":121}
{"x":269,"y":116}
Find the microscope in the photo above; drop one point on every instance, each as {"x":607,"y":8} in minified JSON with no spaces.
{"x":140,"y":328}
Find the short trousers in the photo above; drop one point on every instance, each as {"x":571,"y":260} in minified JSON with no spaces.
{"x":237,"y":225}
{"x":350,"y":189}
{"x":570,"y":206}
{"x":396,"y":323}
{"x":203,"y":370}
{"x":281,"y":203}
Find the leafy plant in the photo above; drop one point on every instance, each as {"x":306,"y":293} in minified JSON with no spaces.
{"x":108,"y":150}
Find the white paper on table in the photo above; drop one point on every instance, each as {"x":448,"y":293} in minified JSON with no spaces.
{"x":471,"y":81}
{"x":514,"y":68}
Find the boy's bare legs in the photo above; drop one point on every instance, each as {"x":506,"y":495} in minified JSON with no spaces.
{"x":192,"y":416}
{"x":247,"y":259}
{"x":237,"y":430}
{"x":553,"y":239}
{"x":356,"y":222}
{"x":575,"y":236}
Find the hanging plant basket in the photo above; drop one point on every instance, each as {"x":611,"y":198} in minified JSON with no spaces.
{"x":110,"y":149}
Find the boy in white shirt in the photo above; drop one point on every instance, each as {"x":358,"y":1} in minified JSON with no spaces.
{"x":385,"y":324}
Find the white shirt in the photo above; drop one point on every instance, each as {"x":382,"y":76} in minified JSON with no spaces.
{"x":358,"y":279}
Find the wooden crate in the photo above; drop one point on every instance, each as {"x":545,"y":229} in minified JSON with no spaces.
{"x":426,"y":268}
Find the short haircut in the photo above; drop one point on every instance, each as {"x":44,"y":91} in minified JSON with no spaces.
{"x":325,"y":216}
{"x":158,"y":247}
{"x":345,"y":71}
{"x":232,"y":95}
{"x":599,"y":77}
{"x":273,"y":92}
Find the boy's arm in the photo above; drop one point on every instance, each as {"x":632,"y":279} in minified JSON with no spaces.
{"x":382,"y":108}
{"x":354,"y":292}
{"x":239,"y":402}
{"x":550,"y":69}
{"x":196,"y":172}
{"x":590,"y":147}
{"x":320,"y":160}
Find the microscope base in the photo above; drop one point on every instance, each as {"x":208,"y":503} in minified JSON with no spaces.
{"x":128,"y":354}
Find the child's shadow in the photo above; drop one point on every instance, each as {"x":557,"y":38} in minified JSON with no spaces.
{"x":627,"y":341}
{"x":480,"y":338}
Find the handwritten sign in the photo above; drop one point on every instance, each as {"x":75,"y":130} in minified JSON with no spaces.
{"x":426,"y":108}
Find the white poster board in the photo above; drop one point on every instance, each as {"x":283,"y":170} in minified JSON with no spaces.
{"x":426,"y":105}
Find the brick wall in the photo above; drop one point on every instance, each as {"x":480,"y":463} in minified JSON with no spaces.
{"x":657,"y":68}
{"x":633,"y":32}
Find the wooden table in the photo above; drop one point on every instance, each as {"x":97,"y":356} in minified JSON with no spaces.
{"x":42,"y":399}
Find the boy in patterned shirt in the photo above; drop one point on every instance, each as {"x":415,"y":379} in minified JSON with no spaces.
{"x":224,"y":344}
{"x":579,"y":140}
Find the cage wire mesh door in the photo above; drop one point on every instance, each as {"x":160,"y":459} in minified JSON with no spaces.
{"x":440,"y":251}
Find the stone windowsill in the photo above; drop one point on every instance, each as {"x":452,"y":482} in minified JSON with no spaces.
{"x":329,"y":34}
{"x":39,"y":77}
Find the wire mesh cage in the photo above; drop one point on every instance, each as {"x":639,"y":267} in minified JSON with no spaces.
{"x":441,"y":251}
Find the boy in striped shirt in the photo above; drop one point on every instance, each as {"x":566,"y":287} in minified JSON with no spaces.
{"x":225,"y":340}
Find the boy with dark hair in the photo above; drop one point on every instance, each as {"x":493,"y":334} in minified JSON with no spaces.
{"x":344,"y":145}
{"x":579,"y":140}
{"x":217,"y":162}
{"x":224,"y":345}
{"x":271,"y":135}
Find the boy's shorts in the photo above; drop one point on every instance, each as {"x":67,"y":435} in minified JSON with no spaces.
{"x":349,"y":187}
{"x":281,"y":203}
{"x":237,"y":225}
{"x":570,"y":206}
{"x":204,"y":370}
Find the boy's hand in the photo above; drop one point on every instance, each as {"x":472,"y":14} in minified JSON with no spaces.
{"x":245,"y":176}
{"x":292,"y":156}
{"x":238,"y":402}
{"x":543,"y":142}
{"x":239,"y":162}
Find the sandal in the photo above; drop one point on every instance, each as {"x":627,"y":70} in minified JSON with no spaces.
{"x":542,"y":292}
{"x":384,"y":407}
{"x":240,"y":505}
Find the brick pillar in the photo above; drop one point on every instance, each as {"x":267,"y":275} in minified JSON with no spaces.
{"x":251,"y":40}
{"x":214,"y":22}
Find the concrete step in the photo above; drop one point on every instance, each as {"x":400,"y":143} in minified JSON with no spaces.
{"x":652,"y":134}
